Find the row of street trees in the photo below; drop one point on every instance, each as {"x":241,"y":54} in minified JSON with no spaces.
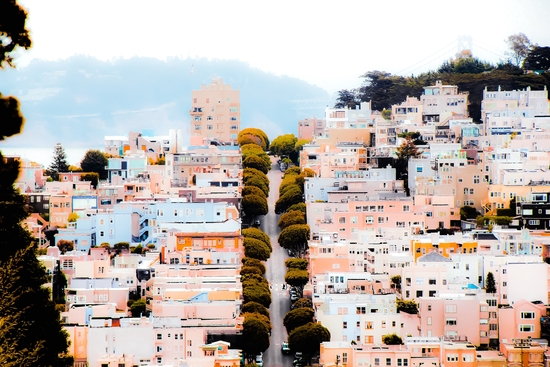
{"x":256,"y":293}
{"x":288,"y":146}
{"x":256,"y":164}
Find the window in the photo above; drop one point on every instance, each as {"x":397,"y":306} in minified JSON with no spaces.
{"x":452,"y":357}
{"x":210,"y":127}
{"x":527,"y":315}
{"x":419,"y":294}
{"x":388,"y":361}
{"x":402,"y":362}
{"x":468,"y":357}
{"x":159,"y":336}
{"x":450,"y":308}
{"x":369,"y":219}
{"x":368,"y":325}
{"x":432,"y":281}
{"x":406,"y":208}
{"x":450,"y":321}
{"x":344,"y":325}
{"x":189,"y":343}
{"x":525,"y":328}
{"x":360,"y":310}
{"x":383,"y":323}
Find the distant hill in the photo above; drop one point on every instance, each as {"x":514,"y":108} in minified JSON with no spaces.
{"x":79,"y":100}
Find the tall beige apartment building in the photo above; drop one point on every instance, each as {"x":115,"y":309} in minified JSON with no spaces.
{"x":216,"y":112}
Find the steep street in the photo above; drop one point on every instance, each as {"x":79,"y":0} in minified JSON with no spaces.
{"x":275,"y":273}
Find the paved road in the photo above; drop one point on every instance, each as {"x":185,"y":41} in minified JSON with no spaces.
{"x":275,"y":273}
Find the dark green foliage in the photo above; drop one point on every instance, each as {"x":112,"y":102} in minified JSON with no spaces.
{"x":257,"y":234}
{"x":253,"y":161}
{"x":297,"y":278}
{"x":65,"y":246}
{"x":294,"y":263}
{"x":255,"y":263}
{"x":392,"y":339}
{"x":292,"y":171}
{"x":92,"y":177}
{"x":255,"y":150}
{"x":30,"y":326}
{"x":297,"y":317}
{"x":408,"y":306}
{"x":538,"y":59}
{"x":468,"y":212}
{"x":396,"y":282}
{"x":490,"y":286}
{"x":257,"y":293}
{"x":467,"y":65}
{"x":291,"y":196}
{"x":252,"y":190}
{"x":13,"y":30}
{"x":299,"y":207}
{"x":294,"y":237}
{"x":255,"y":307}
{"x":291,"y":217}
{"x":254,"y":279}
{"x":308,"y":338}
{"x":254,"y":205}
{"x":347,"y":99}
{"x":255,"y":337}
{"x":254,"y":177}
{"x":256,"y":249}
{"x":59,"y":163}
{"x":95,"y":161}
{"x":250,"y":270}
{"x":303,"y":302}
{"x":138,"y":308}
{"x":285,"y":146}
{"x":263,"y":318}
{"x":258,"y":133}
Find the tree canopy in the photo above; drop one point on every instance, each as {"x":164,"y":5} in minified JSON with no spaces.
{"x":30,"y":324}
{"x":297,"y":317}
{"x":297,"y":278}
{"x":408,"y":306}
{"x":95,"y":161}
{"x":519,"y":46}
{"x":257,"y":133}
{"x":392,"y":339}
{"x":255,"y":307}
{"x":254,"y":205}
{"x":296,"y":263}
{"x":254,"y":161}
{"x":255,"y":337}
{"x":291,"y":217}
{"x":293,"y":195}
{"x":490,"y":286}
{"x":294,"y":237}
{"x":59,"y":163}
{"x":249,"y":150}
{"x":257,"y":293}
{"x":247,"y":190}
{"x":256,"y":249}
{"x":308,"y":338}
{"x":303,"y":302}
{"x":285,"y":146}
{"x":257,"y":234}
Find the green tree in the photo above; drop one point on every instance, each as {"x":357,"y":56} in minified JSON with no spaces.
{"x":255,"y":307}
{"x":303,"y":302}
{"x":248,"y":150}
{"x":290,"y":218}
{"x":347,"y":99}
{"x":404,"y":153}
{"x":254,"y":280}
{"x":255,"y":337}
{"x":59,"y":163}
{"x":65,"y":245}
{"x":257,"y":234}
{"x":299,"y":207}
{"x":259,"y":316}
{"x":294,"y":237}
{"x":468,"y":212}
{"x":259,"y":182}
{"x":538,"y":59}
{"x":408,"y":306}
{"x":251,"y":139}
{"x":297,"y":317}
{"x":285,"y":146}
{"x":247,"y":190}
{"x":30,"y":325}
{"x":253,"y":161}
{"x":258,"y":133}
{"x":105,"y":245}
{"x":292,"y":196}
{"x":396,"y":282}
{"x":519,"y":47}
{"x":72,"y":218}
{"x":254,"y":205}
{"x":386,"y":114}
{"x":490,"y":286}
{"x":138,"y":308}
{"x":255,"y":263}
{"x":308,"y":172}
{"x":295,"y":263}
{"x":95,"y":161}
{"x":250,"y":270}
{"x":308,"y":338}
{"x":297,"y":278}
{"x":137,"y":249}
{"x":256,"y":249}
{"x":257,"y":293}
{"x":392,"y":339}
{"x":92,"y":177}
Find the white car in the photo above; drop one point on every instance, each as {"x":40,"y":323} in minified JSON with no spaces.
{"x":259,"y":360}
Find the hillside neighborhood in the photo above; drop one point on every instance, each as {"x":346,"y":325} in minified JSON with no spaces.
{"x":410,"y":237}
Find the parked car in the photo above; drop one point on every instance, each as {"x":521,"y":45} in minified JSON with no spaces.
{"x":257,"y":223}
{"x":285,"y":348}
{"x":259,"y":360}
{"x":294,"y":296}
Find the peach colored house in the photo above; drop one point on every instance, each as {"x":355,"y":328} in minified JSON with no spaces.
{"x":523,"y":353}
{"x":521,"y":321}
{"x":454,"y":317}
{"x":310,"y":128}
{"x":216,"y":112}
{"x":326,"y":159}
{"x":345,"y":354}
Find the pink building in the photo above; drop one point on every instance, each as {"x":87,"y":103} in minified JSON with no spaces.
{"x":521,"y":321}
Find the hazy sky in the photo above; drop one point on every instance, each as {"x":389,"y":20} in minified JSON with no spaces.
{"x":327,"y":43}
